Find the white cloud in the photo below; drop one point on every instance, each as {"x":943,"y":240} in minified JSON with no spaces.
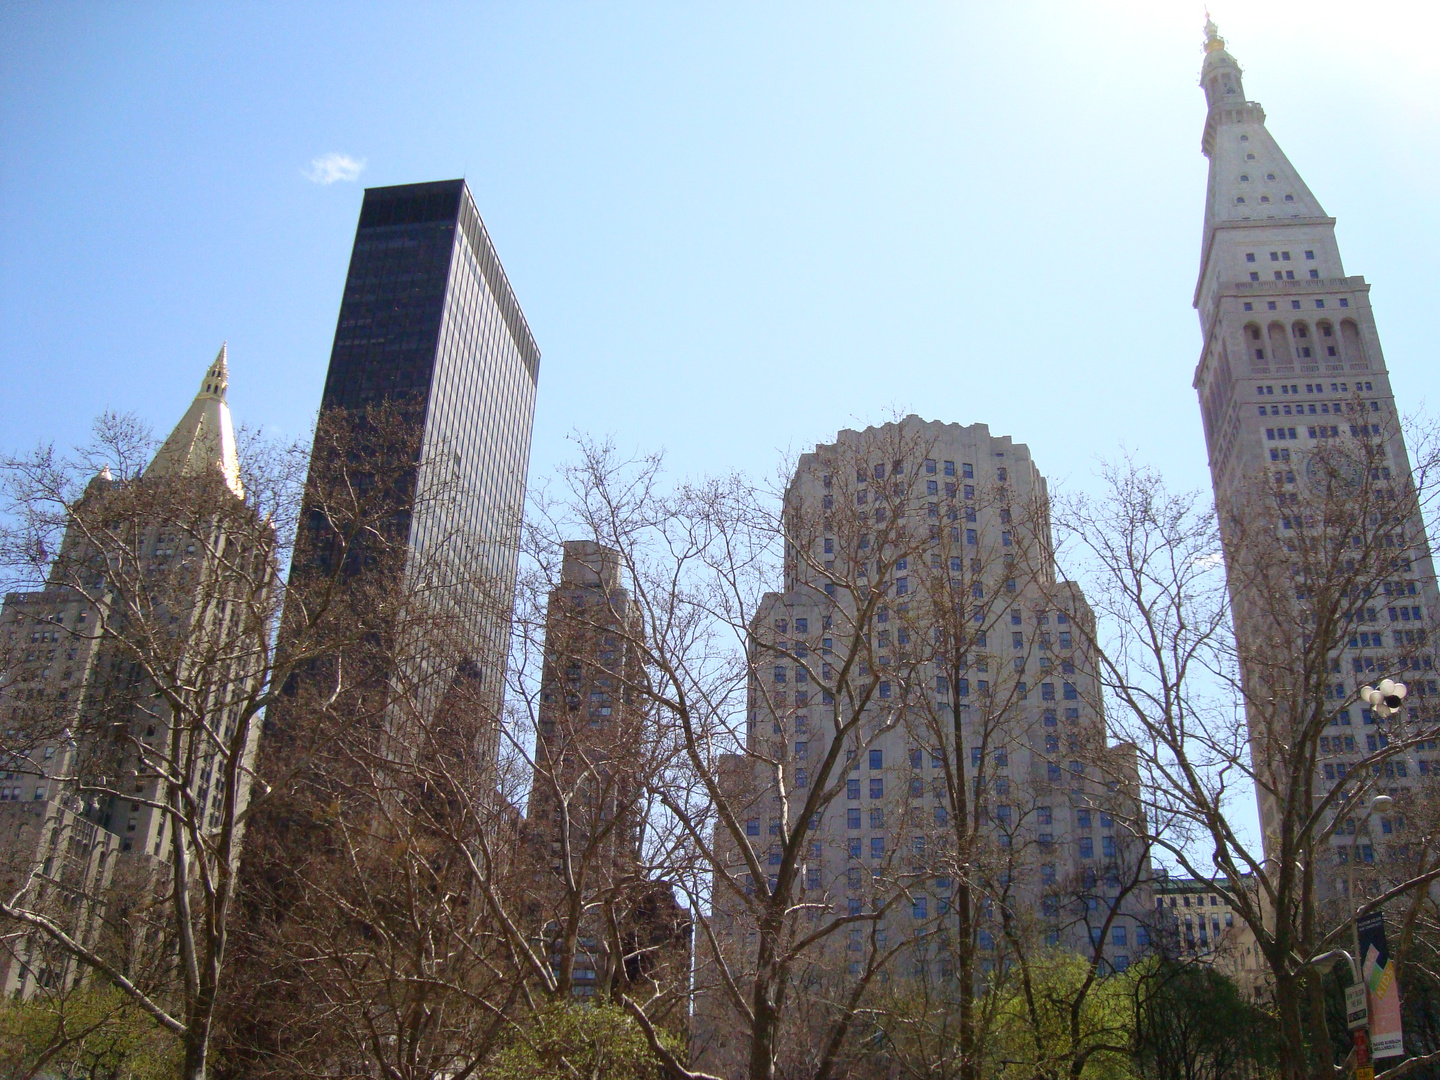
{"x":328,"y":168}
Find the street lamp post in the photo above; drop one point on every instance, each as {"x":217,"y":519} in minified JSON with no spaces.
{"x":1357,"y":1008}
{"x":1387,"y":696}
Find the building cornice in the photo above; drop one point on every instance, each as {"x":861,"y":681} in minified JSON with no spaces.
{"x":1211,"y":231}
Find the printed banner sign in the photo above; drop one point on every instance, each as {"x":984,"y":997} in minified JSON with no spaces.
{"x":1378,"y":974}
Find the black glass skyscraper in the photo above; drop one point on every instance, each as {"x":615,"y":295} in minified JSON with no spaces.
{"x":429,"y":323}
{"x":429,"y":318}
{"x":426,"y":417}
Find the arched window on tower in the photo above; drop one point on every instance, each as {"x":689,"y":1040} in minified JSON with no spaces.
{"x":1327,"y":345}
{"x":1255,"y":345}
{"x":1303,"y":343}
{"x":1354,"y":349}
{"x":1280,"y":347}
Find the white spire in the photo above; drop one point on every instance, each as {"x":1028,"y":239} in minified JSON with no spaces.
{"x":205,"y":437}
{"x":1251,"y":179}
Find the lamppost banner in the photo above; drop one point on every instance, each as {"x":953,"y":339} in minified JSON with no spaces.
{"x":1376,"y":969}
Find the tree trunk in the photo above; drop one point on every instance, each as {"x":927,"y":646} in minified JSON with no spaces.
{"x":197,"y":1047}
{"x":764,"y":1030}
{"x":1292,"y":1040}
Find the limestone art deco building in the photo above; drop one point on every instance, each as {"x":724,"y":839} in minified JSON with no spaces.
{"x":922,"y":628}
{"x":1299,"y":415}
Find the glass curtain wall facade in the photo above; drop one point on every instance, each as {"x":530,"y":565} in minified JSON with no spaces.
{"x":429,"y":321}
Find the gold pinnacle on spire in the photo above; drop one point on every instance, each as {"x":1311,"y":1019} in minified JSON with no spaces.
{"x":1213,"y":41}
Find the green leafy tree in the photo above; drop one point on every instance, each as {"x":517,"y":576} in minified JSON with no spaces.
{"x":1058,"y":1021}
{"x":570,"y":1040}
{"x":96,"y":1032}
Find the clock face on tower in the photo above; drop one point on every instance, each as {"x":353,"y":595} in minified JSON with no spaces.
{"x":1327,"y":471}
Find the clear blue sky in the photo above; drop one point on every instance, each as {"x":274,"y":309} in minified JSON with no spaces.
{"x":734,"y":229}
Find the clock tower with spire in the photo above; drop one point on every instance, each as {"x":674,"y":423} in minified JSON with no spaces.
{"x":1301,"y":428}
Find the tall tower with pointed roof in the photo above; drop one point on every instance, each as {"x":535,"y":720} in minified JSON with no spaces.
{"x":96,"y":755}
{"x":1291,"y":375}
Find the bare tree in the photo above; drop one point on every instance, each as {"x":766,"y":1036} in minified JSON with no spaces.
{"x":385,"y":820}
{"x":164,"y":590}
{"x":600,"y":900}
{"x":1304,"y":568}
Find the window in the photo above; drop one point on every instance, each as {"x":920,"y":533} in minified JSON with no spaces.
{"x":930,"y":466}
{"x":877,"y":847}
{"x":1087,"y":848}
{"x":752,"y":827}
{"x":1069,"y":692}
{"x":852,"y":847}
{"x":877,"y":787}
{"x":852,"y":818}
{"x":852,"y":789}
{"x":1107,"y":846}
{"x":1118,"y":936}
{"x":877,"y":759}
{"x":877,"y":818}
